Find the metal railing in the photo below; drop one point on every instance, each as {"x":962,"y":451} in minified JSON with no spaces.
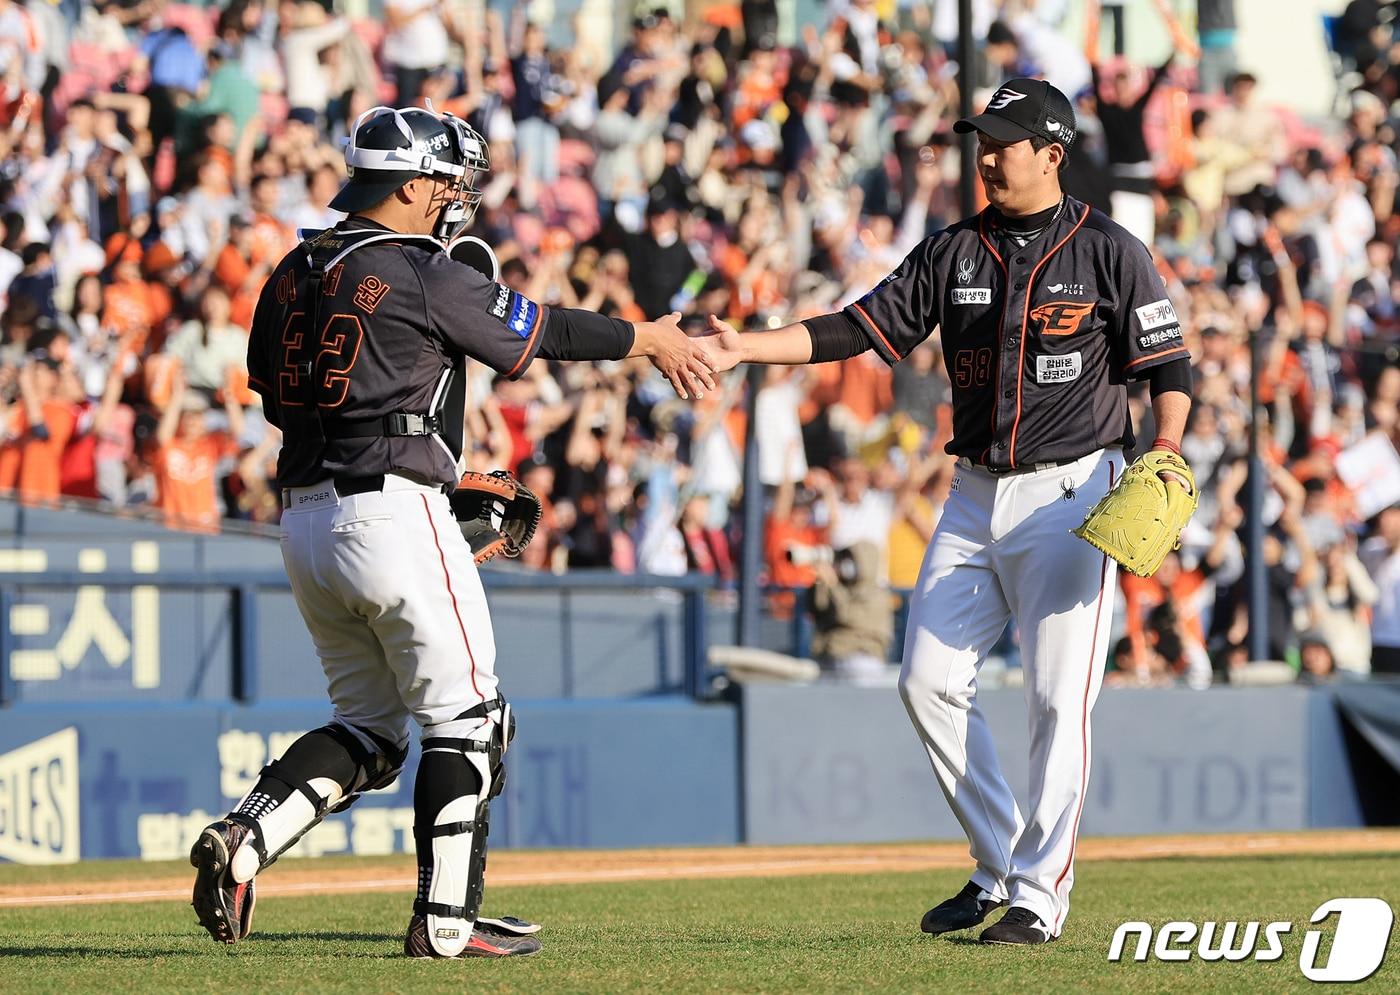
{"x":244,"y":586}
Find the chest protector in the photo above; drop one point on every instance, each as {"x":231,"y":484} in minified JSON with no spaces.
{"x":447,"y":411}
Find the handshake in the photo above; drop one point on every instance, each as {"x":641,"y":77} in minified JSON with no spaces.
{"x":690,"y":363}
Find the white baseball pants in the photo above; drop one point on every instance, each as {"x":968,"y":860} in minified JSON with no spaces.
{"x":1003,"y":550}
{"x":390,"y":592}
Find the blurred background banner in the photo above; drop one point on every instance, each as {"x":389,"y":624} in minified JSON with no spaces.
{"x":1164,"y":762}
{"x":110,"y":783}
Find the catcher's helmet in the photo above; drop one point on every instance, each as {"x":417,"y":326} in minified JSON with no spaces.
{"x":389,"y":147}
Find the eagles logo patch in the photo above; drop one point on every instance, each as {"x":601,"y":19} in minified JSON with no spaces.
{"x":1062,"y":317}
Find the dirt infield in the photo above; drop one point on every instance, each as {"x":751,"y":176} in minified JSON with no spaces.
{"x":516,"y":868}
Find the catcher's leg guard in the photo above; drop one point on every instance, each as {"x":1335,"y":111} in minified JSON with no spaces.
{"x":457,"y":778}
{"x":324,"y":771}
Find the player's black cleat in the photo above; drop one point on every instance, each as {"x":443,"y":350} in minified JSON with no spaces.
{"x":963,"y":911}
{"x":1018,"y":927}
{"x":488,"y":940}
{"x":224,"y":906}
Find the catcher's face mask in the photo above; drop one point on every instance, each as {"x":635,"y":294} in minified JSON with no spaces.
{"x":466,"y":194}
{"x":451,"y":150}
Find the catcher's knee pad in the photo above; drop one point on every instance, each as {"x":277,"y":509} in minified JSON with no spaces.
{"x":457,"y":779}
{"x":324,"y":771}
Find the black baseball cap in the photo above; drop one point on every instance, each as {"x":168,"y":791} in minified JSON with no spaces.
{"x":1025,"y":108}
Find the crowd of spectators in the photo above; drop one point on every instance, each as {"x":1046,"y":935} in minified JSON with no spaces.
{"x":156,"y":161}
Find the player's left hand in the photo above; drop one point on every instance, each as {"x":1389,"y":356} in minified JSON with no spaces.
{"x":723,"y":345}
{"x":1169,"y":477}
{"x":1140,"y":520}
{"x":497,"y":513}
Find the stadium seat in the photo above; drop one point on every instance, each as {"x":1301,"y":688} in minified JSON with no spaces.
{"x":197,"y":22}
{"x":91,"y":69}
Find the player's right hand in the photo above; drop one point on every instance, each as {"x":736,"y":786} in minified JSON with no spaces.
{"x":723,"y":345}
{"x":681,"y":359}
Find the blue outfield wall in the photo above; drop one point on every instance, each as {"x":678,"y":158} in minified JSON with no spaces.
{"x":96,"y":638}
{"x":839,"y":764}
{"x":153,"y":643}
{"x":119,"y":736}
{"x":788,"y":765}
{"x":94,"y":781}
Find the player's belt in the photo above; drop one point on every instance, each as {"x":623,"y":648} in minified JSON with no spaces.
{"x":999,"y":471}
{"x":348,"y":486}
{"x":400,"y":424}
{"x":344,"y":487}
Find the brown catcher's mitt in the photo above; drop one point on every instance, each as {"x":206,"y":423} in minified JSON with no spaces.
{"x":497,"y":513}
{"x":1140,"y":520}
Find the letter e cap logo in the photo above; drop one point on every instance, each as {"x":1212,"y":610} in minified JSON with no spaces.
{"x":1003,"y":99}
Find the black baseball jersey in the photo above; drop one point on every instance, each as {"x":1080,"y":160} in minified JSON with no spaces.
{"x":397,"y":321}
{"x":1039,"y":340}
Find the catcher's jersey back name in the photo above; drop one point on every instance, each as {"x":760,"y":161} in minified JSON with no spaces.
{"x":396,"y":320}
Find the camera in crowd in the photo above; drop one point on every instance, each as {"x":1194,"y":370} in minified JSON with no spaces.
{"x":843,"y":560}
{"x":847,"y":568}
{"x":809,"y":556}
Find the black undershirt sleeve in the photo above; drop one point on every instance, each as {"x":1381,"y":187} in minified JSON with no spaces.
{"x":1175,"y":375}
{"x":572,"y":333}
{"x":835,"y":336}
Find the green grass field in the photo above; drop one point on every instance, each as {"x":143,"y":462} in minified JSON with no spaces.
{"x":831,"y":933}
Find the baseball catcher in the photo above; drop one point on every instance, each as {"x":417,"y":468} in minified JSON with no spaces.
{"x":358,"y":348}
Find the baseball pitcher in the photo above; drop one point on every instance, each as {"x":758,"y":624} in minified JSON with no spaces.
{"x":1046,"y":308}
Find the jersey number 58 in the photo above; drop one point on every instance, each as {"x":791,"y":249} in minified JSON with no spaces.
{"x":972,"y":367}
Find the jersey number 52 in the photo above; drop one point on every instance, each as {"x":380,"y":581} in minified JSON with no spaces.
{"x":336,"y":349}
